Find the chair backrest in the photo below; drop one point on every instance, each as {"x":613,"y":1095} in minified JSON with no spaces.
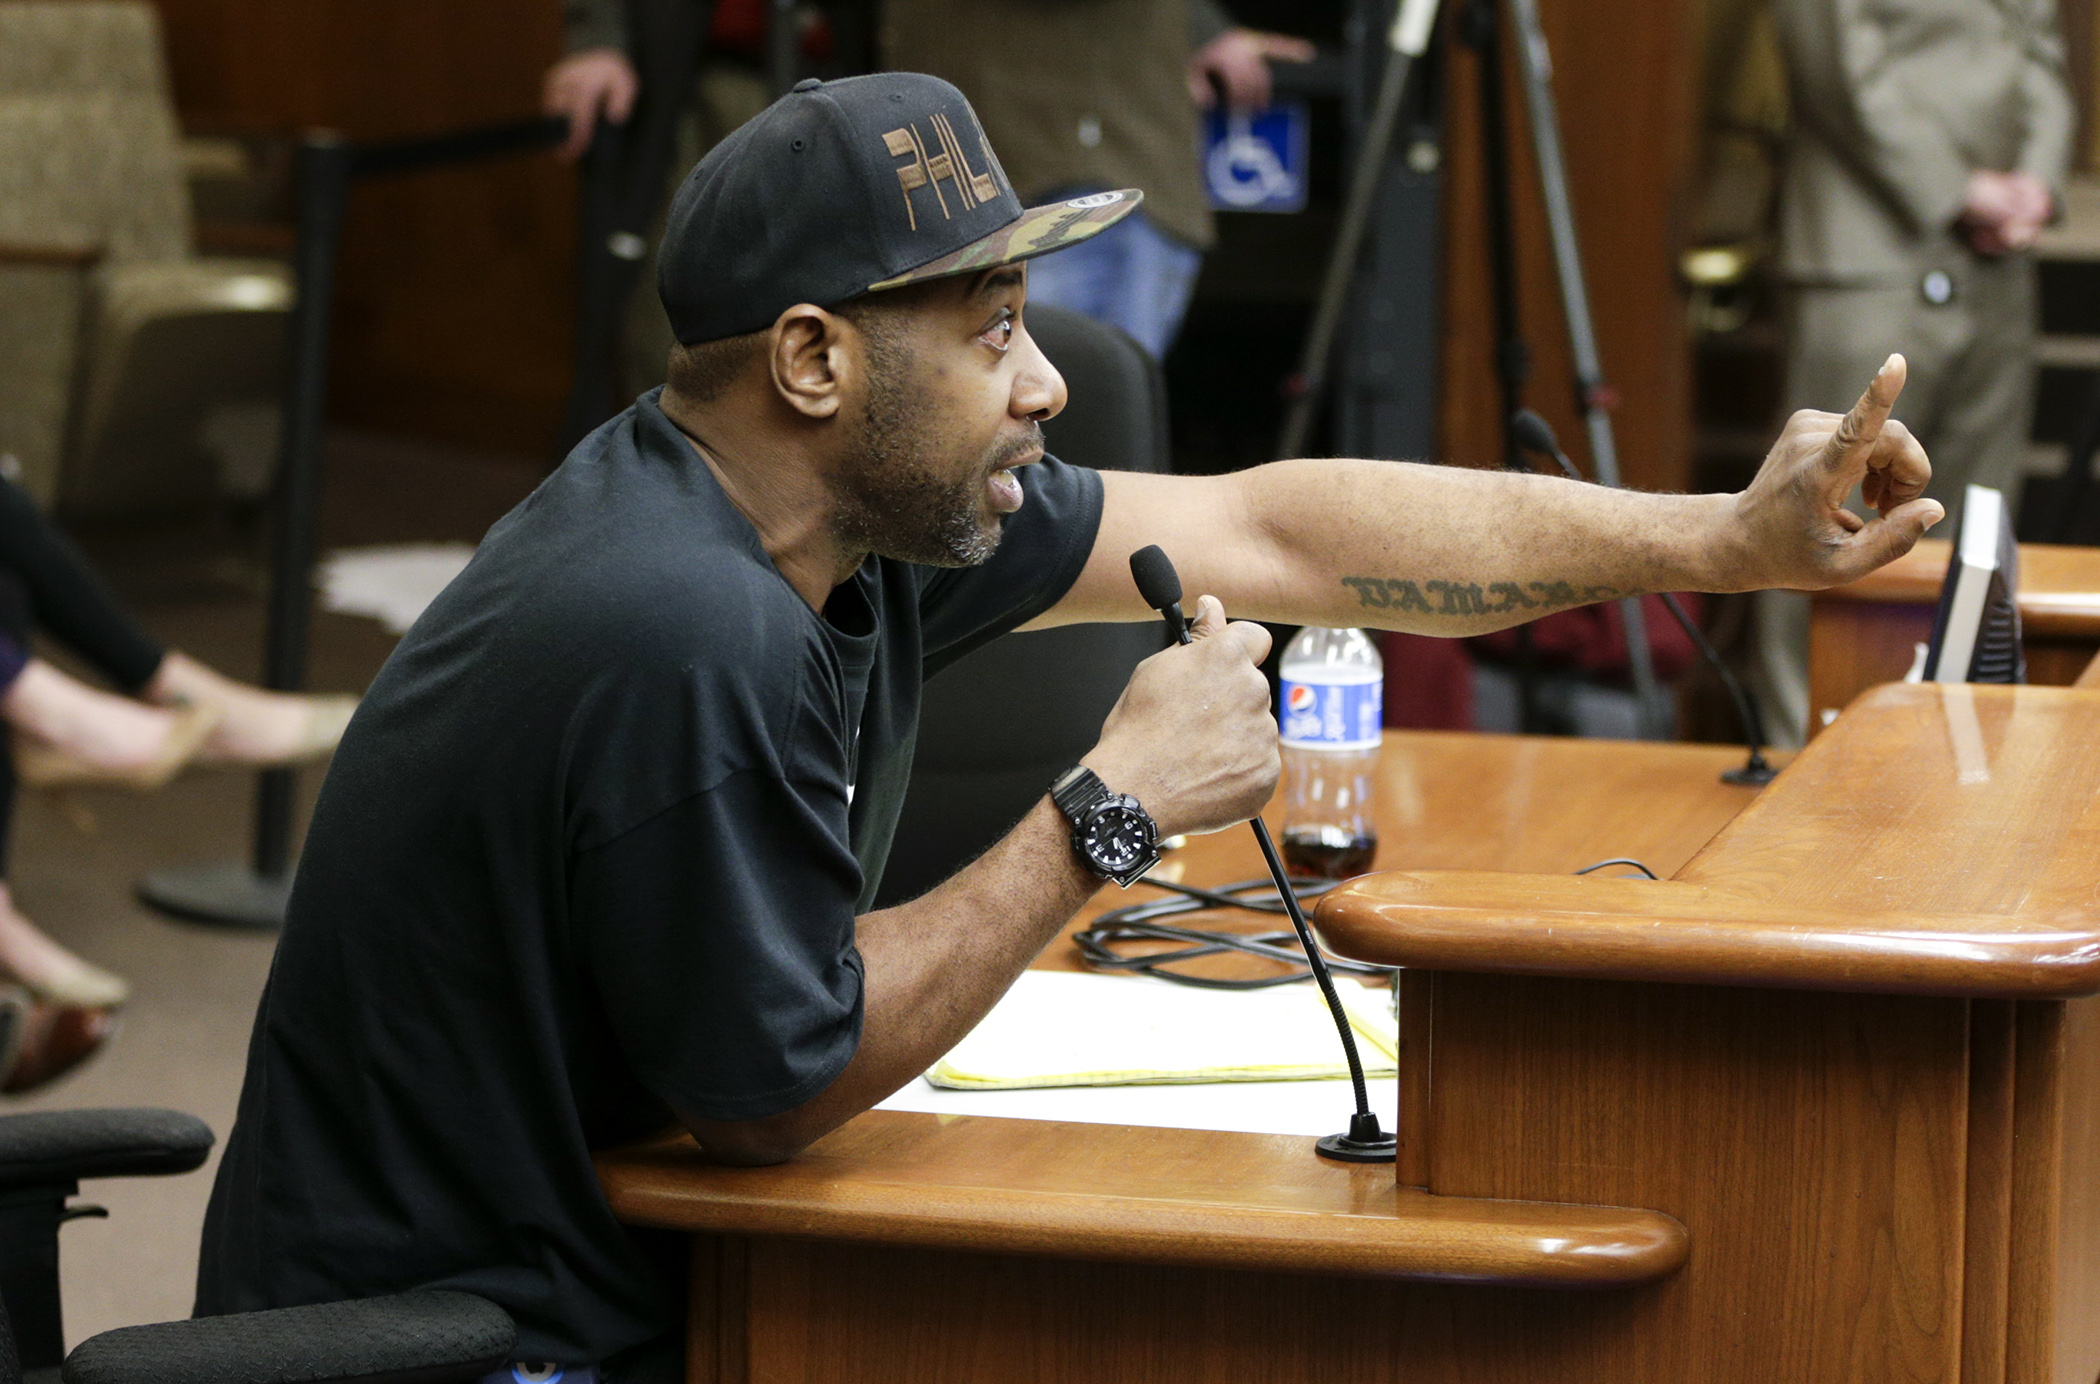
{"x":998,"y":724}
{"x":90,"y":156}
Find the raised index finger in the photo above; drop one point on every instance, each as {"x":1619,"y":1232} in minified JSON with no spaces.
{"x":1858,"y":430}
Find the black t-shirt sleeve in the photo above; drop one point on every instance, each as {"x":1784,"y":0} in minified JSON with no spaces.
{"x":1041,"y":553}
{"x":719,"y":935}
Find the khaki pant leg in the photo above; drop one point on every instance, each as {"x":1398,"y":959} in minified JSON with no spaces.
{"x":1838,"y":337}
{"x":1986,"y":404}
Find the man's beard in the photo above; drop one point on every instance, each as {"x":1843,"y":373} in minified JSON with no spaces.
{"x":893,"y":501}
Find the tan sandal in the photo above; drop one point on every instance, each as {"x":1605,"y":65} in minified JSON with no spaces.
{"x":40,"y":764}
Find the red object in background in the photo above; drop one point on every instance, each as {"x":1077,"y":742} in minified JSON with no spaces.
{"x":739,"y":27}
{"x":1592,"y":640}
{"x":1428,"y":682}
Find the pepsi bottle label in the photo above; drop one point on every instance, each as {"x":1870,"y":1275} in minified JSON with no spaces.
{"x":1332,"y":716}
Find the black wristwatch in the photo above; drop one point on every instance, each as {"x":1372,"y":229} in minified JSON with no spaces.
{"x":1112,"y":833}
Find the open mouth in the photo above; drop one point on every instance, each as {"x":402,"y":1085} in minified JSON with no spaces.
{"x":1004,"y":485}
{"x":1005,"y":490}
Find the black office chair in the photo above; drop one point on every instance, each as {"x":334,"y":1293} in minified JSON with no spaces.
{"x":405,"y":1338}
{"x":1049,"y":690}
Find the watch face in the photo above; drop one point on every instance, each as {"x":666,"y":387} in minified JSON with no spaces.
{"x":1118,"y":838}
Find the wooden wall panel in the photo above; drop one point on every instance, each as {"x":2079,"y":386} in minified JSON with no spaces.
{"x":1814,"y":1145}
{"x":1624,"y":76}
{"x":454,"y":311}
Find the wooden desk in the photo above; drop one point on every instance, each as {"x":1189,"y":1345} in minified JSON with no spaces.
{"x":1866,"y":633}
{"x":1845,"y":1046}
{"x":921,"y":1248}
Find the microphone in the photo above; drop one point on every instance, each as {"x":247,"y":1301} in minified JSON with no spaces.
{"x":1535,"y":435}
{"x":1160,"y":586}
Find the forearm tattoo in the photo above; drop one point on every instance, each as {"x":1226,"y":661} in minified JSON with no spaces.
{"x":1472,"y":598}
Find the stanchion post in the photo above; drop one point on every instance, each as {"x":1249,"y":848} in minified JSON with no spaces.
{"x":255,"y":895}
{"x":324,"y":197}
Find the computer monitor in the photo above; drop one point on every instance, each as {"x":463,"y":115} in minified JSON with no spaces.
{"x":1976,"y":631}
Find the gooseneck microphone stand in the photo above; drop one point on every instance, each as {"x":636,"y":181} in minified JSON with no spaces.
{"x":1536,"y":434}
{"x":1160,"y":586}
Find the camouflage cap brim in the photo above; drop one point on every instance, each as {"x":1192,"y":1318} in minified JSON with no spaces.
{"x":1036,"y":231}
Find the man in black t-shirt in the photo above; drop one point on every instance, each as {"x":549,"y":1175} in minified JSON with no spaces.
{"x":592,"y":859}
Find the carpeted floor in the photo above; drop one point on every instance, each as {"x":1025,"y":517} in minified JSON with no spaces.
{"x":199,"y":587}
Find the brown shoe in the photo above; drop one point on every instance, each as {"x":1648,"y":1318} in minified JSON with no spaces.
{"x":51,"y":1040}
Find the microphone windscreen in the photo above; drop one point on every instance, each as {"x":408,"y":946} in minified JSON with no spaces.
{"x":1533,"y":432}
{"x":1156,"y":579}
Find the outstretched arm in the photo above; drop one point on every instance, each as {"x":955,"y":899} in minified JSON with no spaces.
{"x":1451,"y":551}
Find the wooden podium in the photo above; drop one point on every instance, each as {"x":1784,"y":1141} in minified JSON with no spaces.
{"x":1818,"y":1108}
{"x":1843,"y":1046}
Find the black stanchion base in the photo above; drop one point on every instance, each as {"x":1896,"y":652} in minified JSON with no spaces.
{"x":228,"y":894}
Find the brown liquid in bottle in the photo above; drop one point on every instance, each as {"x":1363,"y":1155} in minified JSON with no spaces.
{"x":1324,"y":853}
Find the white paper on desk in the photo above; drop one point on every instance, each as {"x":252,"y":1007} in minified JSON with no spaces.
{"x":1061,"y":1028}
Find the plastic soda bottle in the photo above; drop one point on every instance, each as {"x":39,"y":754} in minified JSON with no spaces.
{"x":1331,"y":709}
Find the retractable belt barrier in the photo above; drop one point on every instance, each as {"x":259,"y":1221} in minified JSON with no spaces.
{"x":254,"y":894}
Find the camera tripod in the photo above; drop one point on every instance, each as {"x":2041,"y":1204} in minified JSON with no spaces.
{"x":1481,"y":30}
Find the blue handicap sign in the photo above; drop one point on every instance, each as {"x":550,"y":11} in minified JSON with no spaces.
{"x":1257,"y":161}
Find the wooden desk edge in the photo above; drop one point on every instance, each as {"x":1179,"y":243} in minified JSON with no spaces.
{"x":2057,"y":589}
{"x":1393,"y":1233}
{"x":1667,"y":931}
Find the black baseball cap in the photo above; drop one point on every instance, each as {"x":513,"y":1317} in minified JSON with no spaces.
{"x":841,"y":188}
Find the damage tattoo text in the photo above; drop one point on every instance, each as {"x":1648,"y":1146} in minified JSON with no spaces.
{"x":1472,"y":598}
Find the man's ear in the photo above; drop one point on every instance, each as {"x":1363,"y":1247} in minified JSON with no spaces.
{"x":808,"y":360}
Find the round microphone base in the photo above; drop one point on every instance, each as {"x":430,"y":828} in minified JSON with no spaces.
{"x":1755,"y":774}
{"x":1344,"y":1149}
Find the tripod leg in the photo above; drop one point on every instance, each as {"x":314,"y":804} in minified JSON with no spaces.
{"x":1593,"y":396}
{"x":1406,"y":41}
{"x":1480,"y":30}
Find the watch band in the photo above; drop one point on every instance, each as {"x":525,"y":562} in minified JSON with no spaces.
{"x":1077,"y":789}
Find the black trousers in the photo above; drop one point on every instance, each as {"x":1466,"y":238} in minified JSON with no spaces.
{"x":46,"y":584}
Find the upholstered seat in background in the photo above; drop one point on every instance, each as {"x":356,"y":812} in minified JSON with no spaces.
{"x":998,"y":724}
{"x":124,"y":359}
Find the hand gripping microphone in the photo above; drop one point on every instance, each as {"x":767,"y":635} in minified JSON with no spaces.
{"x":1365,"y":1142}
{"x":1535,"y":434}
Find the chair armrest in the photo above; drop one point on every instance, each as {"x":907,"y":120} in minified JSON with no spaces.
{"x":67,"y":1145}
{"x":54,"y":256}
{"x":422,"y":1337}
{"x":140,"y":291}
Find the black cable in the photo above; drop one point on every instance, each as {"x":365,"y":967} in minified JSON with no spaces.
{"x":1141,"y":922}
{"x":1618,"y":860}
{"x":1240,"y":895}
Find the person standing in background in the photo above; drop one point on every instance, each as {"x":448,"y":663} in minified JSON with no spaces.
{"x":1927,"y":147}
{"x":596,"y":80}
{"x":1081,"y":96}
